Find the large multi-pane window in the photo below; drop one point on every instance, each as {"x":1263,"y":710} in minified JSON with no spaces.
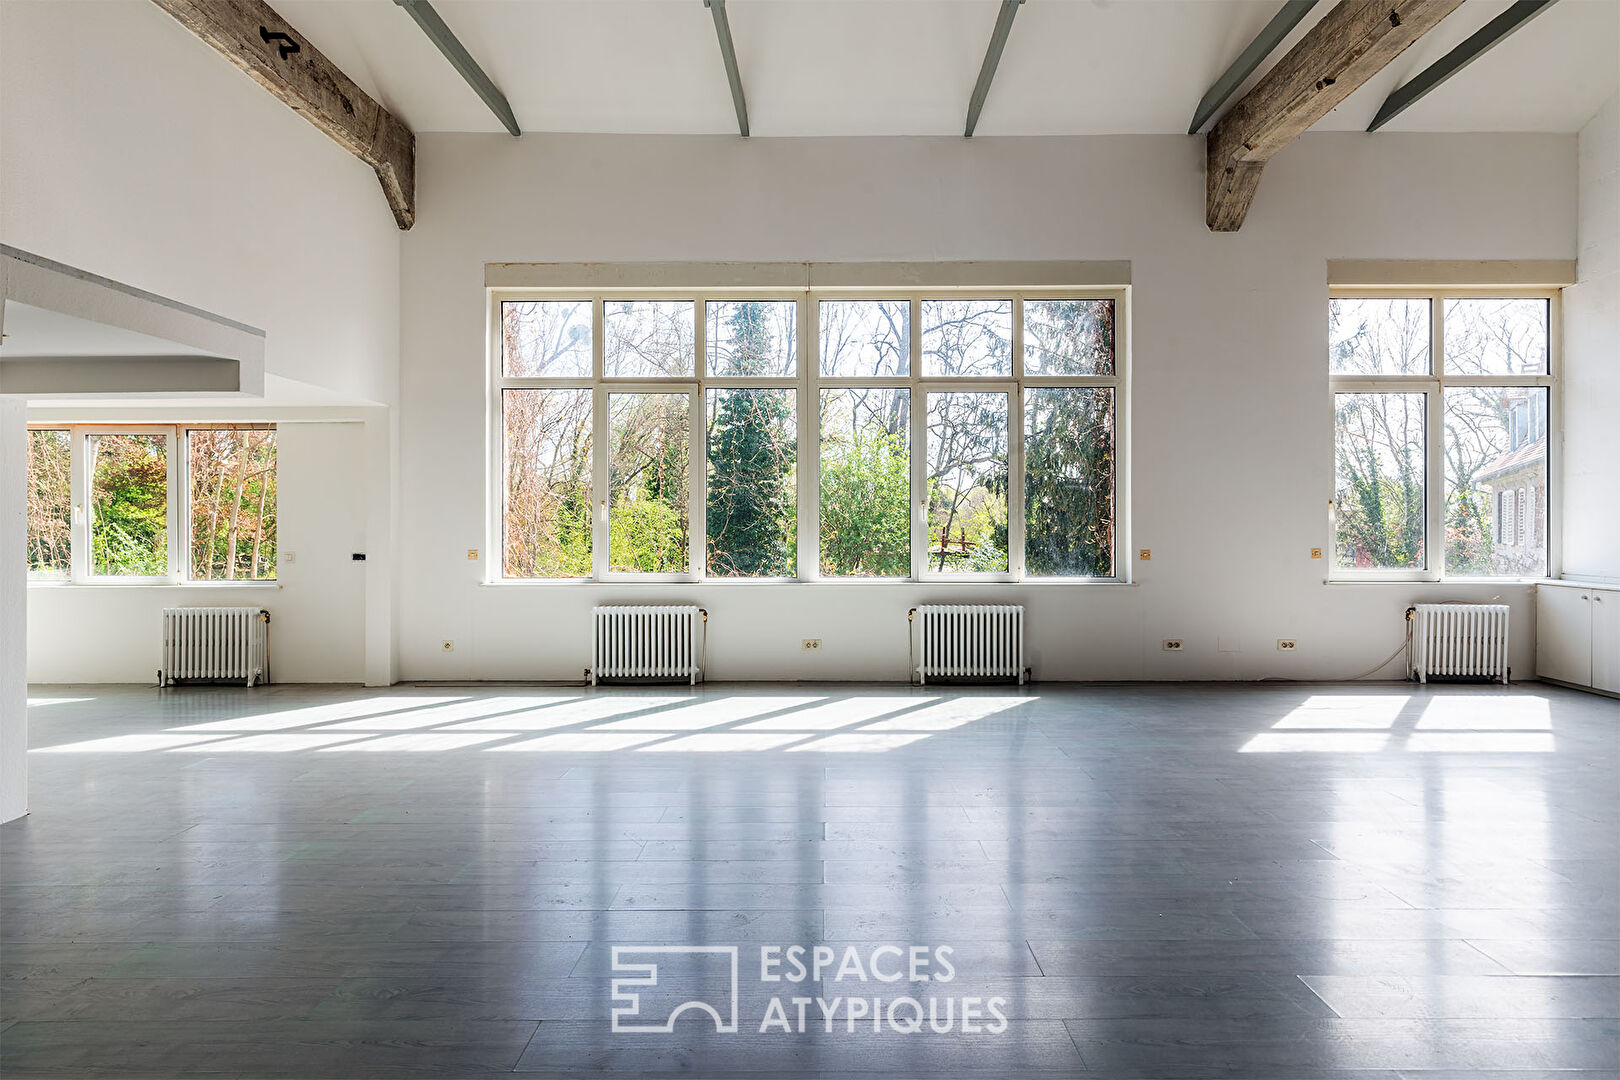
{"x":1441,"y":408}
{"x":157,"y":504}
{"x":863,"y":435}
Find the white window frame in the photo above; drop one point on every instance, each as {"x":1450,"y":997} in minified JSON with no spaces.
{"x":807,"y":382}
{"x":177,"y":510}
{"x":1433,"y":385}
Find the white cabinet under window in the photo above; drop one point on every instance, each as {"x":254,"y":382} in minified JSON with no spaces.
{"x":1578,"y":634}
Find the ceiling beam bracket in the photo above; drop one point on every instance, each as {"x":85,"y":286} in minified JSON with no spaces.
{"x":460,"y":59}
{"x":1351,"y":44}
{"x":251,"y":35}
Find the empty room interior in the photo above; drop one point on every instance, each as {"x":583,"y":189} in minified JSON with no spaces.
{"x":821,"y":538}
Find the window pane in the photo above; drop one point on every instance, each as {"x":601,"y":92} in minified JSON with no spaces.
{"x":233,"y":504}
{"x":751,"y":337}
{"x":751,"y":519}
{"x":866,"y":482}
{"x":648,"y":338}
{"x":648,"y":519}
{"x":50,"y":504}
{"x":1069,"y":337}
{"x":546,"y":338}
{"x":1380,"y":467}
{"x":546,"y":524}
{"x":1496,"y":337}
{"x":865,"y":337}
{"x":1069,"y":481}
{"x":129,"y":498}
{"x":967,"y":337}
{"x":1496,"y":481}
{"x":967,"y":482}
{"x":1384,"y":336}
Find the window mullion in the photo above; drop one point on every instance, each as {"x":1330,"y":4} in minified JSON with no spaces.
{"x":600,"y":449}
{"x":1015,"y":449}
{"x":808,"y":474}
{"x":179,"y":508}
{"x":919,"y":448}
{"x":79,"y":519}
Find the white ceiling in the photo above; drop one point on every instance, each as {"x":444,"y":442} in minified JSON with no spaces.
{"x":907,"y":67}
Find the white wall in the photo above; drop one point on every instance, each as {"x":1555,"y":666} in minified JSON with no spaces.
{"x":13,"y":609}
{"x":102,"y":634}
{"x":131,"y":149}
{"x":1232,"y":449}
{"x":1592,"y":360}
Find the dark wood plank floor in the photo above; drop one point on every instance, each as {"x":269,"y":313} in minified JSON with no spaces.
{"x":1177,"y":881}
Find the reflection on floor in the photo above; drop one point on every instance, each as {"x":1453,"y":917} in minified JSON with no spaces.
{"x":1132,"y":881}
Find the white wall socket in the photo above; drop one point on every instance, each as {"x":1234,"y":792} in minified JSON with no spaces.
{"x":1172,"y":644}
{"x":1286,"y":644}
{"x":810,"y":644}
{"x":447,"y":645}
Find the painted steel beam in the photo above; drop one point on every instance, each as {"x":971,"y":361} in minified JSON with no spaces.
{"x":1477,"y":44}
{"x":992,"y":59}
{"x":460,"y":59}
{"x":1288,"y":16}
{"x":728,"y":53}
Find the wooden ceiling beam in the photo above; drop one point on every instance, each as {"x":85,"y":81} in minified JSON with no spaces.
{"x":252,"y":36}
{"x":1350,"y":45}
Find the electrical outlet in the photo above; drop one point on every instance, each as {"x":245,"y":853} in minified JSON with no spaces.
{"x":447,"y":645}
{"x":288,"y":557}
{"x":1172,"y":644}
{"x":811,"y":644}
{"x":472,"y":554}
{"x":1286,"y":644}
{"x":1146,"y":555}
{"x":1316,"y":553}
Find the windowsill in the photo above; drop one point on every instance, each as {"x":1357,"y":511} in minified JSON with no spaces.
{"x":836,"y":583}
{"x":189,"y":585}
{"x":1483,"y":581}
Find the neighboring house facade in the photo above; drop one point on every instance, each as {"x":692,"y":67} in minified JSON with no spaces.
{"x":1516,"y":482}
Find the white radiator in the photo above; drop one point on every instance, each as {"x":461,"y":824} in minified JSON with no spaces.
{"x":648,"y":642}
{"x":1460,"y":640}
{"x":970,"y":641}
{"x":215,"y":643}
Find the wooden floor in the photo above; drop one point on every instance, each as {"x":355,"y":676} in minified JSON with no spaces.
{"x":1376,"y":881}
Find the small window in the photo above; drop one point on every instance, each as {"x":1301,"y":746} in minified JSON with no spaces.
{"x":1380,"y":440}
{"x":233,"y":503}
{"x":50,"y":505}
{"x":967,"y":337}
{"x":546,"y":338}
{"x":546,"y":462}
{"x":649,"y":522}
{"x":129,"y":505}
{"x":751,"y":516}
{"x":1069,"y":337}
{"x":1069,"y":481}
{"x":865,"y":338}
{"x":1490,"y":456}
{"x":1496,"y":336}
{"x":643,"y":339}
{"x":1379,"y":336}
{"x":751,"y":337}
{"x":967,"y":482}
{"x":866,"y":482}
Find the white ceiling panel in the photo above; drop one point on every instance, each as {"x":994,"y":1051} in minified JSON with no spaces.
{"x":907,"y":67}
